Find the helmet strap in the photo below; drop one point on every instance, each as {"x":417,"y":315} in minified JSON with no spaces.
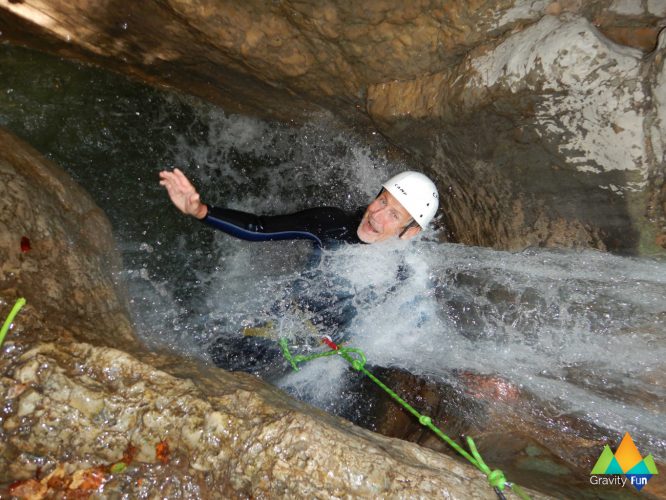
{"x":412,"y":224}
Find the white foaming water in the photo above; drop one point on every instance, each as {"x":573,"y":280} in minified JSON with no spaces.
{"x":582,"y":331}
{"x":579,"y":330}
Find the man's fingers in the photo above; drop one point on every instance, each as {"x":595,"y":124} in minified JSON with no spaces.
{"x":182,"y":181}
{"x":166,"y":179}
{"x":169,"y":185}
{"x":172,"y":174}
{"x":175,"y":181}
{"x":179,"y":176}
{"x":165,"y":175}
{"x":182,"y":192}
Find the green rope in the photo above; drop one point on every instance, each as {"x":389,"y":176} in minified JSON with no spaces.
{"x":12,"y":314}
{"x":495,"y":477}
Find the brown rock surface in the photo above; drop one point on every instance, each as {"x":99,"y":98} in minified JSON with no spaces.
{"x":543,"y":139}
{"x":74,"y":408}
{"x":560,"y":154}
{"x":250,"y":53}
{"x":80,"y":406}
{"x":66,"y":270}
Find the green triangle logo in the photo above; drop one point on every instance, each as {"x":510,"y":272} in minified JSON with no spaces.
{"x":604,"y":461}
{"x":649,"y":463}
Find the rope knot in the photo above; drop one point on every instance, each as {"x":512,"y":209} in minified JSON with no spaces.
{"x":349,"y":353}
{"x":425,"y":420}
{"x":496,"y":479}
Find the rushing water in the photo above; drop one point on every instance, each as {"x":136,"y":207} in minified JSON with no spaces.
{"x":579,"y":332}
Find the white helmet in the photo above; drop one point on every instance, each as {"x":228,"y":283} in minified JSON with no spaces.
{"x":416,"y":193}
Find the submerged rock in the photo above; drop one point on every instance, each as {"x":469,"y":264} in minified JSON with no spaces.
{"x":81,"y":417}
{"x":542,"y":121}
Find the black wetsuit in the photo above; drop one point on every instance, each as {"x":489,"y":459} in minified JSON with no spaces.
{"x":323,"y":225}
{"x":328,"y":311}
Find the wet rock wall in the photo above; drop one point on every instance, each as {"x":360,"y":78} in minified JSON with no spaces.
{"x":541,"y":120}
{"x":57,"y":251}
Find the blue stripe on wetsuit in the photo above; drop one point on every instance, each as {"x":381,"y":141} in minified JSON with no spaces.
{"x":247,"y":234}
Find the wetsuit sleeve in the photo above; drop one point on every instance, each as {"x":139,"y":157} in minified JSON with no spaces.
{"x":312,"y":224}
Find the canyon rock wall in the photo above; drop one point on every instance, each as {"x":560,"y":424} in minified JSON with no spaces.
{"x":547,"y":139}
{"x":57,"y":251}
{"x":542,"y":121}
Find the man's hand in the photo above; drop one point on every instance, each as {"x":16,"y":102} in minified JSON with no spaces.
{"x":182,"y":193}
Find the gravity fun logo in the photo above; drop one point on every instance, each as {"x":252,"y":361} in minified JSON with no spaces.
{"x":627,"y":461}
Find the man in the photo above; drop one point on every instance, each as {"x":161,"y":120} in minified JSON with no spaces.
{"x":405,"y":206}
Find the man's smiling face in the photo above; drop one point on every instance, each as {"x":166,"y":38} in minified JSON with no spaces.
{"x":385,"y":218}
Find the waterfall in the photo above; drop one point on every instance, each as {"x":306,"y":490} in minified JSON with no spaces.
{"x":582,"y":330}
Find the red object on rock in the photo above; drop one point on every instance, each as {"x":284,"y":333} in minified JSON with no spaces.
{"x":25,"y":244}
